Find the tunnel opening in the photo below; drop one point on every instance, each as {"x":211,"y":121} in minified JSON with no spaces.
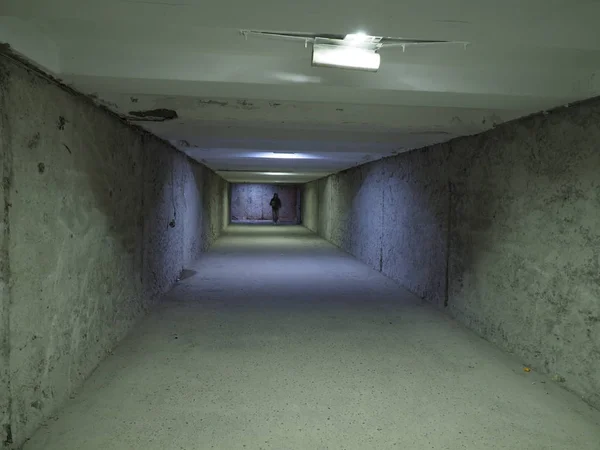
{"x":251,"y":203}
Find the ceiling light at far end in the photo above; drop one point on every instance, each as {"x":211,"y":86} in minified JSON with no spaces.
{"x":280,"y":174}
{"x":281,"y":155}
{"x":345,"y":57}
{"x":285,"y":155}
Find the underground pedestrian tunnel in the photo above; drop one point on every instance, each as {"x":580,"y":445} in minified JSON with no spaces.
{"x":433,"y":281}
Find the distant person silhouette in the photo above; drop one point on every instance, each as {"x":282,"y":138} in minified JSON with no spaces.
{"x":275,"y":205}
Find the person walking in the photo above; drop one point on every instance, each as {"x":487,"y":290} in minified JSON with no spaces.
{"x":275,"y":206}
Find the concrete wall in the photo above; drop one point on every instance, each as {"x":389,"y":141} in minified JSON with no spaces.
{"x":251,"y":202}
{"x":310,"y":206}
{"x":504,"y":227}
{"x":391,"y":214}
{"x":525,"y":242}
{"x":103,"y":218}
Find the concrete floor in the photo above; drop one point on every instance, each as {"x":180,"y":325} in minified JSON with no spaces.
{"x":280,"y":341}
{"x":261,"y":222}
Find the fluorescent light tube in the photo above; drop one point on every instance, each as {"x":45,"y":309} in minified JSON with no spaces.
{"x":345,"y":57}
{"x":279,"y":174}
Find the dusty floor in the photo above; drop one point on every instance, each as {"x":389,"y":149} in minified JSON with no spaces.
{"x":280,"y":341}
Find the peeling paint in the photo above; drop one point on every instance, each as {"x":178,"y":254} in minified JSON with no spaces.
{"x":154,"y":115}
{"x":245,"y":104}
{"x":212,"y":102}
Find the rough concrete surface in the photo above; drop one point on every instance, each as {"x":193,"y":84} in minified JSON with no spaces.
{"x":392,"y":215}
{"x":352,"y":213}
{"x":525,"y":242}
{"x":100,"y":227}
{"x":415,"y":223}
{"x":503,"y":226}
{"x":251,"y":202}
{"x":282,"y":341}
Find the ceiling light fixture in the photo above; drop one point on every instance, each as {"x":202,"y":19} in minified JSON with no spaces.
{"x":345,"y":57}
{"x":351,"y":51}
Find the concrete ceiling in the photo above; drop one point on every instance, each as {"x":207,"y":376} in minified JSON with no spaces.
{"x":238,"y":101}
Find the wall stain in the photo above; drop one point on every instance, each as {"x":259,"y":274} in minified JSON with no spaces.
{"x":37,"y":404}
{"x":62,"y":122}
{"x":8,"y":433}
{"x":34,"y":141}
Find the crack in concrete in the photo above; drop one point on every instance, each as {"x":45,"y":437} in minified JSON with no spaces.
{"x":382,"y":225}
{"x":5,"y":344}
{"x":448,"y":237}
